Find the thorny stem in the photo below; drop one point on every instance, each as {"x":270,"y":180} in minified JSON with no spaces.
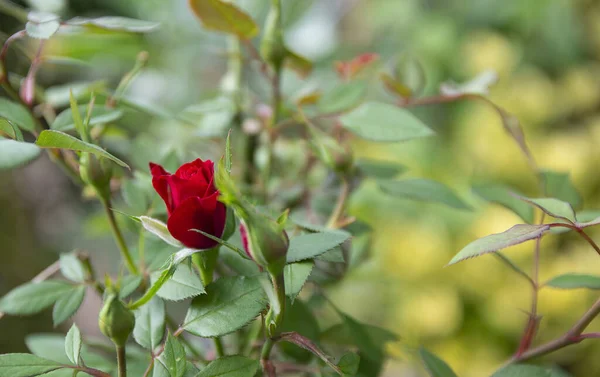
{"x":119,"y":237}
{"x":121,"y":361}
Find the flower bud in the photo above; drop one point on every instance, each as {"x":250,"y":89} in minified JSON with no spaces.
{"x":265,"y":242}
{"x":96,"y":173}
{"x":115,"y":320}
{"x":272,"y":47}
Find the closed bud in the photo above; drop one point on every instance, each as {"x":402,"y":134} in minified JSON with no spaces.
{"x":96,"y":173}
{"x":272,"y":47}
{"x":115,"y":320}
{"x":266,"y":242}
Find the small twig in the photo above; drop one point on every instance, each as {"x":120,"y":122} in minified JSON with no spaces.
{"x":339,"y":206}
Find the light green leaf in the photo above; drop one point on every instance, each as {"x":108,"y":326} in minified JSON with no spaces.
{"x":129,"y":284}
{"x":502,"y":195}
{"x":379,"y":168}
{"x":31,"y":298}
{"x":173,"y":357}
{"x":224,"y":16}
{"x":10,"y":129}
{"x":73,"y":344}
{"x":574,"y":281}
{"x":513,"y":236}
{"x":230,"y":366}
{"x":383,"y":122}
{"x":558,"y":185}
{"x":116,"y":23}
{"x":342,"y":97}
{"x":335,"y":255}
{"x":423,"y":190}
{"x":229,"y":304}
{"x":308,"y":246}
{"x":295,"y":275}
{"x":434,"y":365}
{"x":72,"y":268}
{"x":554,"y":207}
{"x":42,"y":25}
{"x":25,"y":365}
{"x":184,"y":284}
{"x":523,"y":371}
{"x":100,"y":115}
{"x":150,"y":324}
{"x":17,"y":114}
{"x":16,"y":153}
{"x":159,"y":229}
{"x":68,"y":304}
{"x":478,"y":85}
{"x":57,"y":139}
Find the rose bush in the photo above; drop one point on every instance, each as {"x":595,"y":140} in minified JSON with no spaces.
{"x":191,"y":199}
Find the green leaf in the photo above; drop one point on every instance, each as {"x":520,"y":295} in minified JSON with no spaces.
{"x":184,"y":284}
{"x":224,"y":16}
{"x":558,"y":185}
{"x":150,"y":324}
{"x":335,"y":255}
{"x":308,"y":246}
{"x":57,"y":139}
{"x":295,"y":275}
{"x":554,"y":207}
{"x":230,"y":366}
{"x":100,"y":115}
{"x":159,"y":229}
{"x":72,"y":268}
{"x":10,"y":129}
{"x":501,"y":194}
{"x":25,"y":365}
{"x":31,"y":298}
{"x":68,"y":304}
{"x":173,"y":357}
{"x":129,"y":284}
{"x":349,"y":363}
{"x":42,"y":31}
{"x":574,"y":281}
{"x":298,"y":317}
{"x":523,"y":371}
{"x":16,"y":153}
{"x":423,"y":190}
{"x":73,"y":344}
{"x":383,"y":122}
{"x":17,"y":114}
{"x":379,"y":168}
{"x":343,"y":97}
{"x":478,"y":85}
{"x":229,"y":304}
{"x":434,"y":365}
{"x":116,"y":24}
{"x":298,"y":63}
{"x":362,"y":339}
{"x":513,"y":236}
{"x":228,"y":155}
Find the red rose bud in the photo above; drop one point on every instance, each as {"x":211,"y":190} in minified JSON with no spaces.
{"x":191,"y":199}
{"x":265,"y":242}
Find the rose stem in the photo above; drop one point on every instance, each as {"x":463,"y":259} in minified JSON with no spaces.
{"x":121,"y":361}
{"x":119,"y":237}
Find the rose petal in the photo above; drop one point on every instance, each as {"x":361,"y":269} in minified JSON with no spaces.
{"x":206,"y":214}
{"x":182,"y":189}
{"x":160,"y":182}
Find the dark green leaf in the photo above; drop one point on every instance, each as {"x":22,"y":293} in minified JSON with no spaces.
{"x":349,"y":363}
{"x":343,"y":97}
{"x":423,"y":190}
{"x":17,"y":114}
{"x":295,"y":275}
{"x":513,"y":236}
{"x":574,"y":281}
{"x":523,"y":371}
{"x":335,"y":255}
{"x":16,"y":153}
{"x":230,"y":366}
{"x":298,"y":317}
{"x":173,"y":357}
{"x":224,"y":16}
{"x":558,"y":185}
{"x":116,"y":23}
{"x":229,"y":304}
{"x":434,"y":365}
{"x":68,"y":304}
{"x":184,"y":284}
{"x":501,"y":194}
{"x":308,"y":246}
{"x":100,"y":115}
{"x":150,"y":324}
{"x":73,"y":344}
{"x":25,"y":365}
{"x":129,"y":284}
{"x":383,"y":122}
{"x":379,"y":168}
{"x":57,"y":139}
{"x":31,"y":298}
{"x":72,"y":268}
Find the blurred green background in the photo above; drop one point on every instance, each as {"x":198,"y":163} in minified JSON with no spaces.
{"x":546,"y":53}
